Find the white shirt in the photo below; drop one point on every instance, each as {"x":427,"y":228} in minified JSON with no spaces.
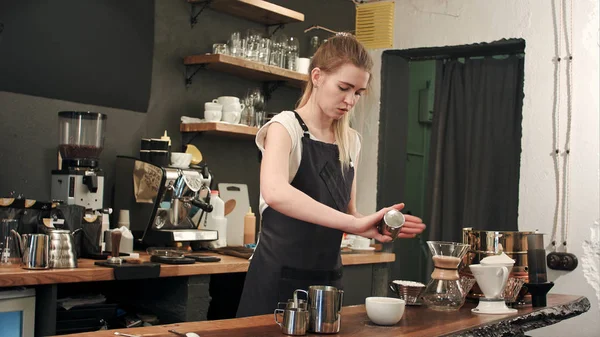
{"x":290,"y":123}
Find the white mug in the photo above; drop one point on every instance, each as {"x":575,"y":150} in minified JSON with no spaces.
{"x":226,"y":100}
{"x":232,"y":116}
{"x":212,"y":115}
{"x":303,"y":65}
{"x":213,"y":106}
{"x":234,"y":107}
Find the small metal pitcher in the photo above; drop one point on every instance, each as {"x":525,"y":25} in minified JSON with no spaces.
{"x":295,"y":321}
{"x":34,"y":250}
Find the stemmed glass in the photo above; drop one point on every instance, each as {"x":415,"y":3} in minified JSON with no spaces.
{"x":255,"y":105}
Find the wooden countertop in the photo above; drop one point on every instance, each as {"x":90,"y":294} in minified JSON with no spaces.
{"x":14,"y":275}
{"x":417,"y":321}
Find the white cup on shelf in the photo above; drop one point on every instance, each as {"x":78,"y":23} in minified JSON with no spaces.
{"x":232,"y":116}
{"x":212,"y":115}
{"x":303,"y":65}
{"x":234,"y":107}
{"x":213,"y":106}
{"x":226,"y":100}
{"x":212,"y":111}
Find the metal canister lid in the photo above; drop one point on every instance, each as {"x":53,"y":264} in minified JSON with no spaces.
{"x":394,"y":219}
{"x":535,"y":241}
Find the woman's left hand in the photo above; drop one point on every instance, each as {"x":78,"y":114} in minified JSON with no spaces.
{"x":412,"y":226}
{"x":366,"y":226}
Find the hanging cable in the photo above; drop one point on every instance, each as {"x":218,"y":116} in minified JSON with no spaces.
{"x":569,"y":69}
{"x":562,"y":219}
{"x":556,"y":118}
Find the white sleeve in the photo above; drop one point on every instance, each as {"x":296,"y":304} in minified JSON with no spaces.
{"x":289,"y":122}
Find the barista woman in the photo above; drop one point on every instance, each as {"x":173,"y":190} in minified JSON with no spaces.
{"x":308,"y":184}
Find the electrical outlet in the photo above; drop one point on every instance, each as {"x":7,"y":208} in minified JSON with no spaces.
{"x":562,"y":261}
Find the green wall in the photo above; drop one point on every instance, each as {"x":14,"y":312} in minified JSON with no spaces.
{"x":414,"y":252}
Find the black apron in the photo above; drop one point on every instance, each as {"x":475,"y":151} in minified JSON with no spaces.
{"x":294,"y":254}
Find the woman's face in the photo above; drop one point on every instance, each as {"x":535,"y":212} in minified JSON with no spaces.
{"x":338,"y":92}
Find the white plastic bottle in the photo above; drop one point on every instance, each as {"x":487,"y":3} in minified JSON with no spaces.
{"x":217,"y":203}
{"x":216,"y":220}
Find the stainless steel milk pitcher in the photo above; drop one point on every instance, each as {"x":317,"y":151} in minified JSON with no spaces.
{"x":35,"y":250}
{"x":324,"y":306}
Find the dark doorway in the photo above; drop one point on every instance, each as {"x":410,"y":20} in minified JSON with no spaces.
{"x":408,"y":91}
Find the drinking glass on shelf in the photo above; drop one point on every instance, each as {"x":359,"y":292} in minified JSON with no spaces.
{"x":253,"y":42}
{"x":259,"y":119}
{"x":258,"y":99}
{"x":293,"y":52}
{"x":275,"y":53}
{"x":235,"y":45}
{"x":278,"y":50}
{"x":314,"y":45}
{"x":220,"y":48}
{"x":248,"y":116}
{"x":9,"y":252}
{"x":264,"y":50}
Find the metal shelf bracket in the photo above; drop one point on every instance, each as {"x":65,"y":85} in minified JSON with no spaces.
{"x":191,"y":71}
{"x":193,"y":15}
{"x":270,"y":87}
{"x":278,"y":27}
{"x":188,"y":137}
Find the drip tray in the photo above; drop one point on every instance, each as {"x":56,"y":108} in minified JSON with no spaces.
{"x":171,"y":259}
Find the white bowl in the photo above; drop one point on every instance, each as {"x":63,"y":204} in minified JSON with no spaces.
{"x":180,"y":159}
{"x":385,"y":310}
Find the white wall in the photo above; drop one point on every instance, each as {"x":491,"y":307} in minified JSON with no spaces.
{"x":366,"y":122}
{"x":434,"y":23}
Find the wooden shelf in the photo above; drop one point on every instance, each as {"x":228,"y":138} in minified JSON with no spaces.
{"x":248,"y":69}
{"x":230,"y":129}
{"x":255,"y":10}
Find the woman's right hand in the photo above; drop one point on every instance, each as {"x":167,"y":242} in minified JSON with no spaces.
{"x":366,"y":226}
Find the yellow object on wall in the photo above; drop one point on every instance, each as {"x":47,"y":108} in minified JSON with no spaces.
{"x":375,"y":24}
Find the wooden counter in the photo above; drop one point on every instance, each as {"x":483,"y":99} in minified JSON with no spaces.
{"x":417,"y":321}
{"x":87,"y":272}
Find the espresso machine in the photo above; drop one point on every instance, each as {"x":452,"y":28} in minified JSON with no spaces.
{"x":78,"y":180}
{"x":162,"y":201}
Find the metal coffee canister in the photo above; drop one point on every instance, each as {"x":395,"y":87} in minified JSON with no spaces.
{"x":392,"y":222}
{"x":486,"y":243}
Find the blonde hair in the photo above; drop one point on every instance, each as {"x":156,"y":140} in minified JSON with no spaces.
{"x":336,"y":52}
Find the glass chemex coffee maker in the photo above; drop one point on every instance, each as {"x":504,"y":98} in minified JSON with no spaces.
{"x":78,"y":180}
{"x":445,"y":292}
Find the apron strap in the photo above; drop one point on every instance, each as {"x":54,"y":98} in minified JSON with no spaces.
{"x":307,"y":134}
{"x":302,"y":124}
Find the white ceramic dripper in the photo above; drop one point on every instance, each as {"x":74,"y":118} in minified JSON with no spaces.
{"x":492,"y":281}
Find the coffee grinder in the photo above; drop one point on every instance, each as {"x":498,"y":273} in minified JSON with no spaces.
{"x":78,"y":180}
